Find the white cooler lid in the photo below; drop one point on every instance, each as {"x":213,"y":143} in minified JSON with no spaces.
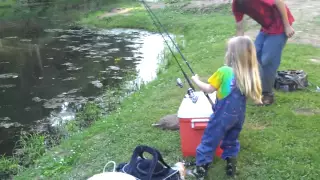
{"x":202,"y":108}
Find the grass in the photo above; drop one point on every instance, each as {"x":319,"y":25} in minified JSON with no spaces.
{"x":28,"y":149}
{"x":276,"y":143}
{"x":317,"y":19}
{"x":64,"y":9}
{"x":8,"y":166}
{"x":7,"y":3}
{"x":31,"y":146}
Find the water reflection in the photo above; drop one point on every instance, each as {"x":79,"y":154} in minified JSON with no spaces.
{"x":46,"y":79}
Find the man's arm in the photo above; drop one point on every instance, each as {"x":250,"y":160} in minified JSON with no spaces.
{"x":282,"y":9}
{"x":239,"y":20}
{"x":240,"y":28}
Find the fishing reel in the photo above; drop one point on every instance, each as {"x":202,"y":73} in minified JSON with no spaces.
{"x":179,"y":83}
{"x":190,"y":91}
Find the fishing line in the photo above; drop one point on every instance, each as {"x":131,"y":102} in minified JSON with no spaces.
{"x":153,"y":17}
{"x":183,"y":72}
{"x":166,"y":31}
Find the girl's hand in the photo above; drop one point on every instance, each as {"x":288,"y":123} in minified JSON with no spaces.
{"x":195,"y":77}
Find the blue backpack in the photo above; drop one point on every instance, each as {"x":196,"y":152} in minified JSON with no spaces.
{"x":148,"y":169}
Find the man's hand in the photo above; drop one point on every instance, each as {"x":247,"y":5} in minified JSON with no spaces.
{"x":289,"y":31}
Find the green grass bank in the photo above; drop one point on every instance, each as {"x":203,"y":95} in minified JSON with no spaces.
{"x":276,"y":142}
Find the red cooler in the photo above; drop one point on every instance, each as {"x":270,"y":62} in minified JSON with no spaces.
{"x":193,"y":119}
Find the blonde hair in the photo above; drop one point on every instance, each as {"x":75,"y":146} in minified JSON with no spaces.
{"x":241,"y":56}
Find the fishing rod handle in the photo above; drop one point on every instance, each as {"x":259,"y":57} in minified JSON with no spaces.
{"x":210,"y":101}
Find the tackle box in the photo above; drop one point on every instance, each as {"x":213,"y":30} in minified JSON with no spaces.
{"x":193,"y":119}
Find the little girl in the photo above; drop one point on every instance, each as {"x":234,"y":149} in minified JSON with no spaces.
{"x":235,"y":81}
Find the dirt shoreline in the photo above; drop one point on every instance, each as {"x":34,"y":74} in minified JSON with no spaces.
{"x":305,"y":12}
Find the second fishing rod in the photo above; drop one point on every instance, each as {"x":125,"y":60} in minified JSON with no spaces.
{"x":155,"y":21}
{"x":191,"y":89}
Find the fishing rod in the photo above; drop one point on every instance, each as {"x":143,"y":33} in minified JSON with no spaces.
{"x":154,"y":17}
{"x":191,"y":89}
{"x":183,"y":72}
{"x":166,"y":31}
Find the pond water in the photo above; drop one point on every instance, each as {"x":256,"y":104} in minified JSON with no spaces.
{"x":47,"y":78}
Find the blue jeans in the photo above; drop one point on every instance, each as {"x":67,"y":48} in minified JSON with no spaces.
{"x":269,"y":51}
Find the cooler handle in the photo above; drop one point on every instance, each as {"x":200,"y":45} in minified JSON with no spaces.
{"x":200,"y":124}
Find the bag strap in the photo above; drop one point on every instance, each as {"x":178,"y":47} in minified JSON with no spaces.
{"x":139,"y":150}
{"x":114,"y":166}
{"x":160,"y":158}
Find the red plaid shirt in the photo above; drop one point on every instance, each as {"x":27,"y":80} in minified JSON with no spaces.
{"x":263,"y":12}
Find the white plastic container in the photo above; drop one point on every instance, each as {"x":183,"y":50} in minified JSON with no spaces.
{"x":193,"y":119}
{"x":111,"y":175}
{"x":202,"y":108}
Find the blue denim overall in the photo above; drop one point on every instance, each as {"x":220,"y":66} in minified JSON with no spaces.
{"x":224,"y":124}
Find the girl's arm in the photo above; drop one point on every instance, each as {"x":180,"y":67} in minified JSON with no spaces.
{"x":205,"y":87}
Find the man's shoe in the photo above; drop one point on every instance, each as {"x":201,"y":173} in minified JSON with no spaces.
{"x":231,"y":167}
{"x":200,"y":172}
{"x":267,"y":99}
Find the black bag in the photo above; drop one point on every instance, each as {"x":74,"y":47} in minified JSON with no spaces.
{"x":148,"y":169}
{"x":291,"y":80}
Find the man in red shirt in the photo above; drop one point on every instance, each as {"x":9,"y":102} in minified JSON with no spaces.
{"x":275,"y":19}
